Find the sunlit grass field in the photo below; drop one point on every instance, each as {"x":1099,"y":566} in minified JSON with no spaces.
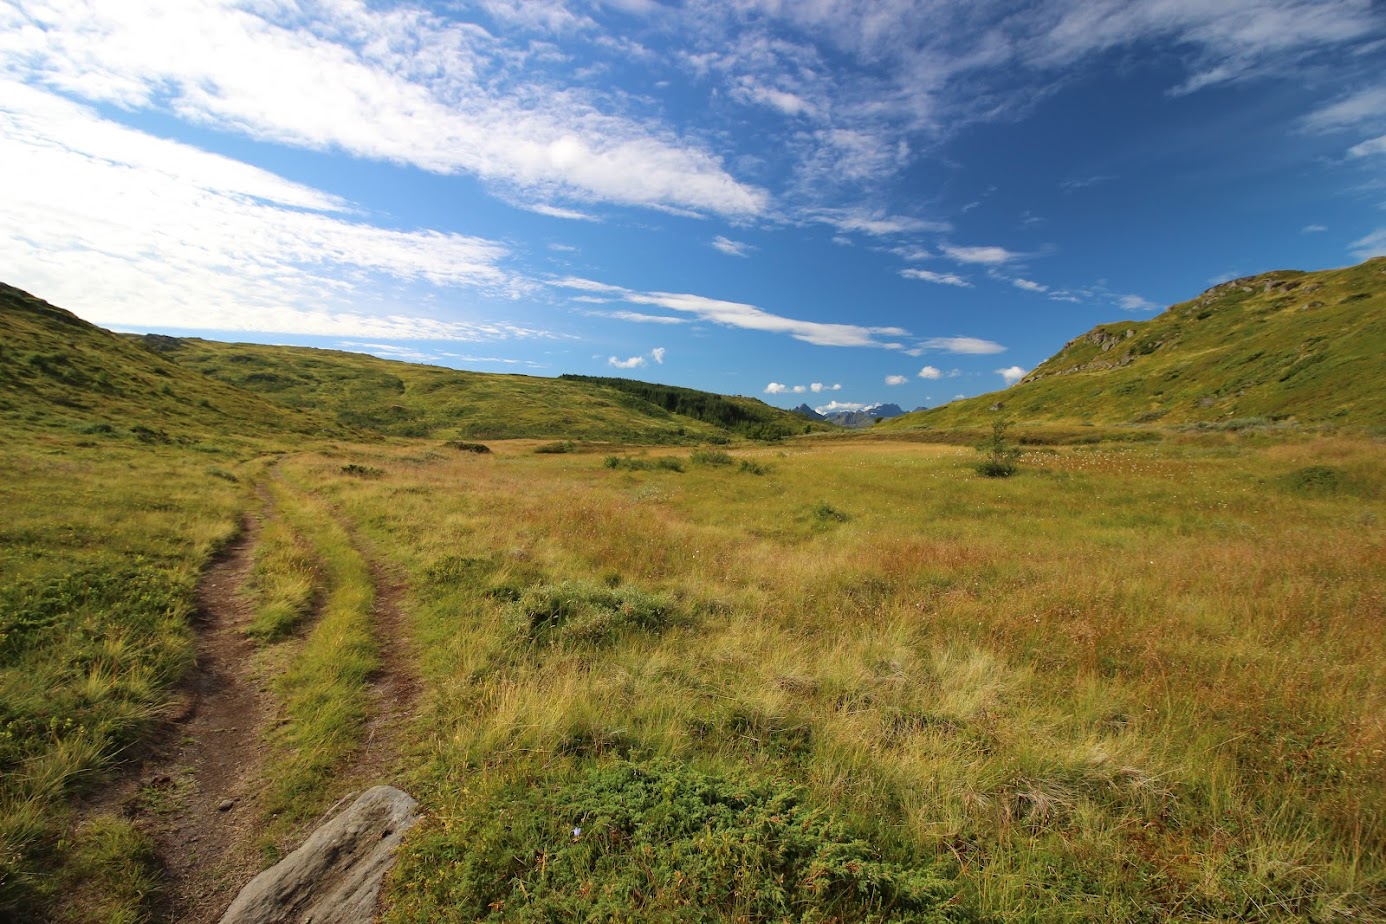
{"x":1131,"y":683}
{"x":845,"y":680}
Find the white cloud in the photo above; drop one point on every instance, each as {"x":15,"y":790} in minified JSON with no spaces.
{"x":1367,"y":148}
{"x":930,"y":372}
{"x":1028,"y":285}
{"x":396,"y":84}
{"x":140,"y":232}
{"x":798,"y":389}
{"x":990,"y":256}
{"x":897,"y":379}
{"x":657,"y":354}
{"x":1364,"y":106}
{"x":745,"y":317}
{"x":946,"y":279}
{"x":554,"y":211}
{"x":1136,"y":303}
{"x":880,"y":224}
{"x":776,"y":388}
{"x":1313,"y":229}
{"x":731,"y":248}
{"x":634,"y":362}
{"x":967,"y":345}
{"x":912,"y":253}
{"x":1372,"y":245}
{"x":1011,"y":374}
{"x":834,"y":406}
{"x":817,"y":387}
{"x":638,"y":317}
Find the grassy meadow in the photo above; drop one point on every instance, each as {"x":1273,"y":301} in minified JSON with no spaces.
{"x":1134,"y":683}
{"x":842,"y":679}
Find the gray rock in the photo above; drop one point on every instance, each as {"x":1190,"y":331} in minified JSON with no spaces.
{"x":335,"y":876}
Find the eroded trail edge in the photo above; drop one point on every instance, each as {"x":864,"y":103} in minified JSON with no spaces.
{"x":195,"y":795}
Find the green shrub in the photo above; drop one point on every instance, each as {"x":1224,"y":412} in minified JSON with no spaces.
{"x":461,"y":446}
{"x":1000,"y":452}
{"x":362,"y":471}
{"x":752,"y":468}
{"x":659,"y":842}
{"x":556,"y":448}
{"x":667,"y":463}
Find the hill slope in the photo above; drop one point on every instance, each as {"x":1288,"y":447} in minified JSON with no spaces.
{"x":408,"y":399}
{"x":58,"y":371}
{"x":1284,"y":344}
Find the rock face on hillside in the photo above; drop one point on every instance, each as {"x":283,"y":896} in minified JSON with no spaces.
{"x":335,"y":876}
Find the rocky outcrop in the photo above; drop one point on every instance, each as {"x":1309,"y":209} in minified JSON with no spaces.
{"x":335,"y":876}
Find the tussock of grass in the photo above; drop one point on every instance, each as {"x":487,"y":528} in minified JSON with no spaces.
{"x":283,"y":583}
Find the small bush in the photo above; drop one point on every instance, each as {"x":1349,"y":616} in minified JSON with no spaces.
{"x":460,"y":446}
{"x":752,"y":468}
{"x":362,"y":471}
{"x":556,"y":448}
{"x":1000,"y":452}
{"x":827,"y":513}
{"x":666,"y":463}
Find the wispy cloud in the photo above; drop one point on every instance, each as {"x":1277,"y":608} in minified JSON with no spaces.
{"x":1136,"y":303}
{"x":1364,"y":106}
{"x":634,"y":362}
{"x":989,"y":256}
{"x":745,"y":317}
{"x":1029,"y":285}
{"x":730,"y":247}
{"x":880,"y":224}
{"x":657,"y":354}
{"x":965,"y":345}
{"x":397,"y":84}
{"x":141,"y":232}
{"x":1313,"y":229}
{"x":945,"y":279}
{"x":1369,"y":147}
{"x":1371,"y":245}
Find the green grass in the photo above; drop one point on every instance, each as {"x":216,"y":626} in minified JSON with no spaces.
{"x":1282,"y":346}
{"x":322,"y":686}
{"x":1146,"y":677}
{"x":100,"y":549}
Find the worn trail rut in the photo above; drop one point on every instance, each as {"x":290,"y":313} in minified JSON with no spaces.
{"x":196,"y":792}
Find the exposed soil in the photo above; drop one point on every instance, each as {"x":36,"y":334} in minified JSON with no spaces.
{"x":204,"y":842}
{"x":394,"y":688}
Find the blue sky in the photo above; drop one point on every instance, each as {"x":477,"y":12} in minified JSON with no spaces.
{"x":838,"y":203}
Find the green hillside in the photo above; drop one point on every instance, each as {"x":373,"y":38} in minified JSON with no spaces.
{"x":1284,"y":345}
{"x":60,"y":372}
{"x":411,"y":400}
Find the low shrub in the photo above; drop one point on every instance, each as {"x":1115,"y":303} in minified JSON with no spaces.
{"x":362,"y":471}
{"x":660,"y":842}
{"x":556,"y":448}
{"x":631,"y":463}
{"x":461,"y":446}
{"x":752,"y":468}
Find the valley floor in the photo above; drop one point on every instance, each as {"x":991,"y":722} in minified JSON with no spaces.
{"x":844,"y":680}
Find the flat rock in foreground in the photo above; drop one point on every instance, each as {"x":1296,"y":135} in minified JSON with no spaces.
{"x":335,"y":876}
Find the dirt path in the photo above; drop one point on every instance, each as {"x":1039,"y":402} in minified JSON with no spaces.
{"x":206,"y":826}
{"x":394,"y":688}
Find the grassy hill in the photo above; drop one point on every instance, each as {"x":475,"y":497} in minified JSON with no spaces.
{"x":1284,"y":345}
{"x":411,"y":400}
{"x":60,"y":372}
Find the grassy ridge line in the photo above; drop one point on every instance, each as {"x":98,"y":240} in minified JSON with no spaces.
{"x":1253,"y":351}
{"x":323,"y":687}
